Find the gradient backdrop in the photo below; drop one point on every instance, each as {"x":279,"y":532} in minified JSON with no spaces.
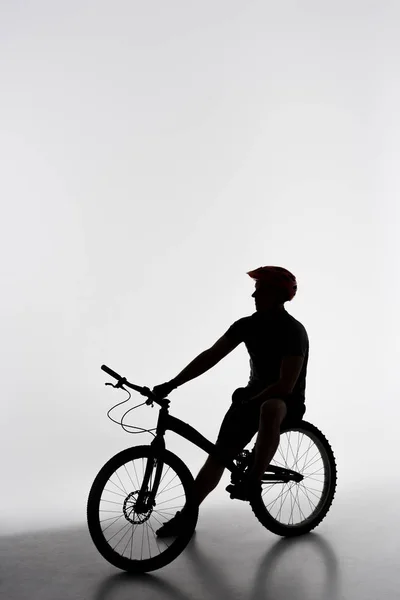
{"x":153,"y":152}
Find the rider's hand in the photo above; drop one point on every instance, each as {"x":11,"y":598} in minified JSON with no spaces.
{"x":164,"y":389}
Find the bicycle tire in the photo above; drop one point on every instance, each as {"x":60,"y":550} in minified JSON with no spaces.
{"x":286,"y":530}
{"x":93,"y":508}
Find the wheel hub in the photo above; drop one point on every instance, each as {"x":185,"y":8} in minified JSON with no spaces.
{"x":133,"y":515}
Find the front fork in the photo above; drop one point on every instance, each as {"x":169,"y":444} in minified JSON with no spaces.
{"x":146,"y":498}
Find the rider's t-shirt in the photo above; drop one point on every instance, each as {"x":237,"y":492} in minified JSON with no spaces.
{"x":268,"y":338}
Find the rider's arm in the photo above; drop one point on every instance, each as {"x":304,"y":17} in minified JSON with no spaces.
{"x":290,"y":371}
{"x":206,"y":360}
{"x":295,"y":344}
{"x":295,"y":347}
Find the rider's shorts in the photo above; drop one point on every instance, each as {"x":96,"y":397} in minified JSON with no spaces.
{"x":242,"y":419}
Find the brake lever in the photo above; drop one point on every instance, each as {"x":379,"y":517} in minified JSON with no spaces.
{"x":119,"y":383}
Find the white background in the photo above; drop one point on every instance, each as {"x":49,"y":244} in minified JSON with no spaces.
{"x":153,"y":152}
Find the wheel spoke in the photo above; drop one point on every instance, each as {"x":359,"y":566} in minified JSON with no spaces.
{"x":164,"y":501}
{"x":172,"y":507}
{"x":141,"y":555}
{"x":148,"y":539}
{"x":121,"y":489}
{"x":304,"y":491}
{"x":127,"y":543}
{"x":111,"y":524}
{"x":117,"y":532}
{"x":315,"y":472}
{"x":168,"y":484}
{"x":117,"y":474}
{"x":110,"y":501}
{"x":155,"y":537}
{"x":312,"y":478}
{"x":164,"y":474}
{"x":162,"y":492}
{"x":134,"y":466}
{"x":115,"y":493}
{"x":133,"y":485}
{"x":309,"y":464}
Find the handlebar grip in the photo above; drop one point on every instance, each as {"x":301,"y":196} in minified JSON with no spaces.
{"x":110,"y":372}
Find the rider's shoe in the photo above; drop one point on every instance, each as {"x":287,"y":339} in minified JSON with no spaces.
{"x":245,"y":489}
{"x":175,"y":526}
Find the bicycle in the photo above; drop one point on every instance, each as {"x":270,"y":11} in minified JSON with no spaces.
{"x":136,"y":504}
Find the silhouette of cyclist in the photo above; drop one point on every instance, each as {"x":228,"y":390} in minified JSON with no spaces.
{"x":275,"y":394}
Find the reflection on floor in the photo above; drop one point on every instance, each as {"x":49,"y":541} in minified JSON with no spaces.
{"x":352,"y":554}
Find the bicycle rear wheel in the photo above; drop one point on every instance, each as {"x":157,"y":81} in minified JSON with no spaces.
{"x":291,"y":509}
{"x":126,"y":538}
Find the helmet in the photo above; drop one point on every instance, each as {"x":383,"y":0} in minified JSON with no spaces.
{"x":279,"y":278}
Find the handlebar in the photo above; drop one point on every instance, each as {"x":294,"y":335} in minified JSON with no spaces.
{"x":144,"y":391}
{"x":111,"y":372}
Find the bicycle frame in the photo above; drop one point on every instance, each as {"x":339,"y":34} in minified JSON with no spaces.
{"x":168,"y":422}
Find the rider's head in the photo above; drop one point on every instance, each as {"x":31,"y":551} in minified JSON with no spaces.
{"x":274,"y":287}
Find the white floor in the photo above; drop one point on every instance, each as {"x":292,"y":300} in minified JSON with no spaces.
{"x":354,"y":553}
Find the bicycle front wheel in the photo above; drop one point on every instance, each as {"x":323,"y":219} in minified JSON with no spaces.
{"x":126,"y":538}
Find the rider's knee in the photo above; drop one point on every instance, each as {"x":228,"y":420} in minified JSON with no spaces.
{"x":274,"y":408}
{"x":228,"y":453}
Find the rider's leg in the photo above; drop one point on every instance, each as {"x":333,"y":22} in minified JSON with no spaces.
{"x":207,"y":478}
{"x":210,"y":475}
{"x":235,"y":432}
{"x":272,"y":413}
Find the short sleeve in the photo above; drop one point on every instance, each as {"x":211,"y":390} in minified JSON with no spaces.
{"x":237,"y":331}
{"x":296,"y":341}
